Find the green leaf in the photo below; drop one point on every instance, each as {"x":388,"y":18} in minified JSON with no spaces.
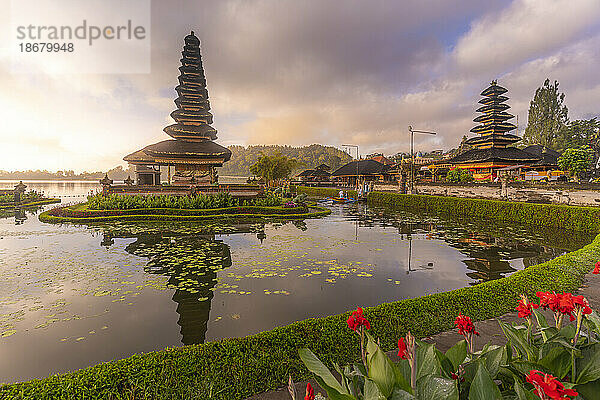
{"x":524,"y":367}
{"x":332,"y":393}
{"x":540,"y":318}
{"x":315,"y":366}
{"x":372,"y":391}
{"x":457,"y":353}
{"x":595,"y":320}
{"x":523,"y":394}
{"x":344,"y":383}
{"x":588,"y":367}
{"x":518,"y":339}
{"x":427,"y":363}
{"x":557,"y":361}
{"x":492,"y":359}
{"x":435,"y":388}
{"x":360,"y":369}
{"x":542,"y":322}
{"x":399,"y":394}
{"x":589,"y":390}
{"x":483,"y":387}
{"x":446,"y":366}
{"x":381,"y":369}
{"x":402,"y":372}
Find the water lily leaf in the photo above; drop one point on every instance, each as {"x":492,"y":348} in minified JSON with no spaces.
{"x":8,"y":333}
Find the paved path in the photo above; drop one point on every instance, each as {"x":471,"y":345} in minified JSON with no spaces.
{"x":489,"y":331}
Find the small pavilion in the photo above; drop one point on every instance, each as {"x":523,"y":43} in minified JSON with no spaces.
{"x":320,"y":173}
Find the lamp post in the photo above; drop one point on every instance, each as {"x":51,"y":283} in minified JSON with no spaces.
{"x":412,"y":155}
{"x":356,"y":147}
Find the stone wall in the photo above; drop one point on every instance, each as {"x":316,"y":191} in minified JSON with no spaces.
{"x":585,"y":196}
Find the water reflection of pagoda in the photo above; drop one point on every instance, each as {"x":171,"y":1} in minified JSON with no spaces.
{"x":492,"y":147}
{"x":191,"y":263}
{"x":482,"y":269}
{"x":193,"y":152}
{"x":193,"y":279}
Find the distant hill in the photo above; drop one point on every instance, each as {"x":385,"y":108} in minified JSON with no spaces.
{"x":311,"y":156}
{"x":239,"y":165}
{"x":117,"y":174}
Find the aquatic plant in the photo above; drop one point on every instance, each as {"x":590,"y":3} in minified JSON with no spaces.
{"x":27,"y":197}
{"x":198,"y":202}
{"x":550,"y":362}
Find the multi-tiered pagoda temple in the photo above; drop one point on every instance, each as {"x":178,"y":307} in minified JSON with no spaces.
{"x":492,"y":149}
{"x":192,"y":151}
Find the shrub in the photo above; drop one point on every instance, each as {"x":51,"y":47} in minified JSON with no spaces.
{"x":459,"y":175}
{"x":198,"y":201}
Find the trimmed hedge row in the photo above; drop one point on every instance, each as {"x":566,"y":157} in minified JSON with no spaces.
{"x":559,"y":216}
{"x":68,"y":214}
{"x":237,"y":368}
{"x":31,"y":204}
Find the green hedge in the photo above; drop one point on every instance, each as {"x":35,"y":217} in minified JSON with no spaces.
{"x":237,"y":368}
{"x":558,"y":216}
{"x":31,"y":204}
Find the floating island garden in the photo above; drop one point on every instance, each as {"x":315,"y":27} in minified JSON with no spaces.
{"x":197,"y":207}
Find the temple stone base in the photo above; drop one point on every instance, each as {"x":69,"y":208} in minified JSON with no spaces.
{"x":570,"y":196}
{"x":194,"y":175}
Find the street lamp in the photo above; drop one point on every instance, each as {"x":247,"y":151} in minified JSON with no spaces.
{"x":412,"y":154}
{"x":355,"y":146}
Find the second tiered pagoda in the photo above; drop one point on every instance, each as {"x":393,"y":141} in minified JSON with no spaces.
{"x":492,"y":148}
{"x":192,"y":151}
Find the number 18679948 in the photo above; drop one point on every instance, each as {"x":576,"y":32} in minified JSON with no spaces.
{"x":47,"y":47}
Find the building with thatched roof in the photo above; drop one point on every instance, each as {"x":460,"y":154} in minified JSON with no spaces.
{"x":319,"y":174}
{"x":361,"y":171}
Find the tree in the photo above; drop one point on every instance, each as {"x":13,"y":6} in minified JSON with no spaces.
{"x":583,"y":132}
{"x":273,"y":167}
{"x":576,"y":160}
{"x":459,"y":175}
{"x":310,"y":156}
{"x":548,"y":117}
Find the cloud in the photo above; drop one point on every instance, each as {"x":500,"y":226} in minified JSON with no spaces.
{"x":525,"y":30}
{"x":307,"y":72}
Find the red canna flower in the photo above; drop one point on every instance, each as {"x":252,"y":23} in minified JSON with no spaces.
{"x":310,"y":392}
{"x":465,"y":325}
{"x":596,"y":268}
{"x":524,"y":308}
{"x":547,"y":300}
{"x":547,"y":387}
{"x":581,"y":302}
{"x":402,"y":351}
{"x":356,"y":320}
{"x":566,"y":305}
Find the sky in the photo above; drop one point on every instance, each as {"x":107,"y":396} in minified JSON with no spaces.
{"x":313,"y":71}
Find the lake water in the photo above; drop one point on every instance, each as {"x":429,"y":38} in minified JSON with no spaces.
{"x":74,"y":295}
